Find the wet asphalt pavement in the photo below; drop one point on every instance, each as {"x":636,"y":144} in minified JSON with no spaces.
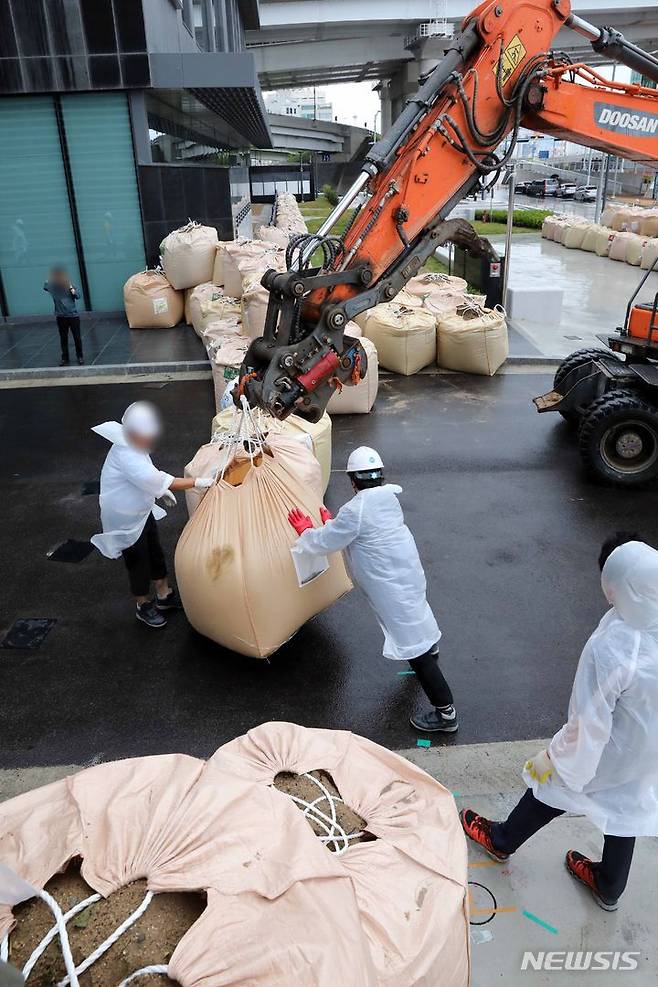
{"x":507,"y":526}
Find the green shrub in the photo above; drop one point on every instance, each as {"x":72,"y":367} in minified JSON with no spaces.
{"x":330,"y":194}
{"x":531,"y":219}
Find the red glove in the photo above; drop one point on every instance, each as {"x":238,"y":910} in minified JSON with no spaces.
{"x":325,"y":515}
{"x":300,"y":522}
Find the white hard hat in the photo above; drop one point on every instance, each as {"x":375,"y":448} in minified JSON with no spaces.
{"x":142,"y":419}
{"x":364,"y":459}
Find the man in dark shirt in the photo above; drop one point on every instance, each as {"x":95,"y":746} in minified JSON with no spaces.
{"x":64,"y":296}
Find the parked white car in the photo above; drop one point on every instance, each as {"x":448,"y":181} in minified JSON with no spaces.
{"x":586,"y":193}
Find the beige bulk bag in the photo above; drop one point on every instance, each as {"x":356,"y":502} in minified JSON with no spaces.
{"x":574,"y":235}
{"x":187,"y":315}
{"x":359,"y":399}
{"x":209,"y":303}
{"x":604,"y":240}
{"x":634,"y":247}
{"x":608,"y":215}
{"x":627,"y":221}
{"x":212,"y":457}
{"x":619,"y":246}
{"x":591,"y":238}
{"x":444,"y":302}
{"x":218,"y":266}
{"x":254,"y":302}
{"x":188,"y":255}
{"x":405,"y":298}
{"x":234,"y":570}
{"x":405,"y":338}
{"x":315,"y":435}
{"x":243,"y":257}
{"x":649,"y":254}
{"x":432,"y":282}
{"x":473,"y":341}
{"x":151,"y":302}
{"x":273,"y":235}
{"x":649,"y":224}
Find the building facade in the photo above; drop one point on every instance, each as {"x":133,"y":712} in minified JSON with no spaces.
{"x":85,"y":88}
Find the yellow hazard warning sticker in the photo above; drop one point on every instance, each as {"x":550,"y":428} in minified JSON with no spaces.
{"x":513,"y":55}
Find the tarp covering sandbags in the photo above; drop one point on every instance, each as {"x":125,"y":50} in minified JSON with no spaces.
{"x":188,"y":255}
{"x":358,"y":399}
{"x":474,"y":340}
{"x":151,"y":302}
{"x":390,"y":912}
{"x":315,"y":435}
{"x":208,"y":302}
{"x":234,"y":569}
{"x":405,"y":338}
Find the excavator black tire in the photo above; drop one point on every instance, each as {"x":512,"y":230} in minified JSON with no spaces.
{"x":576,"y":359}
{"x":618,"y":439}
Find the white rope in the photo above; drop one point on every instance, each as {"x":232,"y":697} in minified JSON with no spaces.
{"x":4,"y":949}
{"x":143,"y":973}
{"x":104,"y":946}
{"x":69,"y":962}
{"x":335,"y":833}
{"x":48,"y":938}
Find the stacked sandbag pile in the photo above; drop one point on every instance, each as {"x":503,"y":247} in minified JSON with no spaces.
{"x":626,"y":234}
{"x":316,"y":436}
{"x":473,"y":340}
{"x":188,"y":255}
{"x":243,"y":259}
{"x":405,"y":337}
{"x":288,"y":216}
{"x":151,"y":302}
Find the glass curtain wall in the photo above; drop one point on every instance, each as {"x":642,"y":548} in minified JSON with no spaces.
{"x":36,"y":229}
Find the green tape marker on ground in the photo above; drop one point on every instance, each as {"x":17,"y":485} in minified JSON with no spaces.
{"x":409,"y":671}
{"x":538,"y":921}
{"x":423,"y":743}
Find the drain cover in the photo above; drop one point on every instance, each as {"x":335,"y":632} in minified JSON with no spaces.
{"x":71,"y":551}
{"x":28,"y":633}
{"x":91,"y":487}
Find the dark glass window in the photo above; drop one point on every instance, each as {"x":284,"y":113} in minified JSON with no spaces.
{"x":73,"y":72}
{"x":39,"y":74}
{"x":104,"y":71}
{"x":135,"y":71}
{"x":31,"y":31}
{"x":130,"y":25}
{"x":98,"y":23}
{"x":8,"y":47}
{"x":65,"y":25}
{"x":11,"y":80}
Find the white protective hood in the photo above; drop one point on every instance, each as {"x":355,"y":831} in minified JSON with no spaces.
{"x":606,"y":755}
{"x":384,"y":562}
{"x":130,"y":484}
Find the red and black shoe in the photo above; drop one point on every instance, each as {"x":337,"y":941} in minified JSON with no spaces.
{"x":583,"y":869}
{"x":478,"y":829}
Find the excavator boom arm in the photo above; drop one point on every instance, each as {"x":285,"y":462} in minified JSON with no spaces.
{"x":496,"y":76}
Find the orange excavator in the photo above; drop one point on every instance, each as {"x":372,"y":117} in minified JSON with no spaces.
{"x":498,"y":74}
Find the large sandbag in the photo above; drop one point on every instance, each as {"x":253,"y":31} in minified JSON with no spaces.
{"x":634,"y":248}
{"x":151,"y":302}
{"x":247,"y":257}
{"x":187,"y":315}
{"x":254,"y":302}
{"x":218,"y":266}
{"x":213,"y":456}
{"x":405,"y":338}
{"x":649,"y":223}
{"x":574,"y":235}
{"x":208,"y":303}
{"x":619,"y":246}
{"x":431,"y":282}
{"x":649,"y":255}
{"x":441,"y":303}
{"x":603,"y":241}
{"x":234,"y":570}
{"x":273,"y":235}
{"x":188,"y":255}
{"x":627,"y":220}
{"x":591,"y":239}
{"x":473,"y":341}
{"x":359,"y":399}
{"x":608,"y":215}
{"x":226,"y":346}
{"x":315,"y":435}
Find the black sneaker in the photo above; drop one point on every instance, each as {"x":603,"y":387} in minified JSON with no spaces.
{"x":81,"y":361}
{"x":170,"y":602}
{"x":64,"y":362}
{"x":435,"y":721}
{"x":148,"y":614}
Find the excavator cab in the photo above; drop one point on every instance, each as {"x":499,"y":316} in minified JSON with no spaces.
{"x":611,"y":397}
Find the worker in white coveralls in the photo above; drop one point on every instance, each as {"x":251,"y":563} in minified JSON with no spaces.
{"x":130,"y":486}
{"x":603,"y":763}
{"x":384,"y":562}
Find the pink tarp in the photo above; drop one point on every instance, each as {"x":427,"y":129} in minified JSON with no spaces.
{"x":282,"y":909}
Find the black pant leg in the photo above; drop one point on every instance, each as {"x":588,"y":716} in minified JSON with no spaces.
{"x":612,"y":873}
{"x":528,"y":817}
{"x":74,"y":323}
{"x":137,"y":561}
{"x":63,"y":328}
{"x":432,"y":679}
{"x":157,"y":563}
